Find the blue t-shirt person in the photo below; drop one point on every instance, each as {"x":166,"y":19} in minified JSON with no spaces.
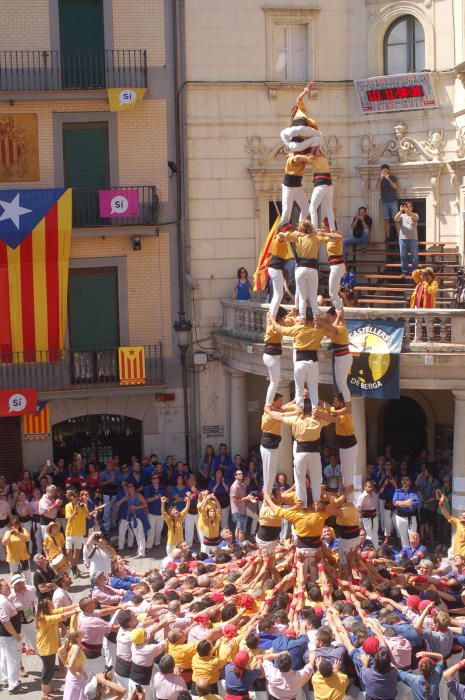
{"x":402,"y":495}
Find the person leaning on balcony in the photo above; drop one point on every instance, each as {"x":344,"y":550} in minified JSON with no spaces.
{"x":424,"y":297}
{"x":243,"y":286}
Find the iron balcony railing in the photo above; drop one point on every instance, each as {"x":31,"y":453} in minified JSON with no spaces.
{"x":52,"y":370}
{"x":37,"y":70}
{"x":86,"y":211}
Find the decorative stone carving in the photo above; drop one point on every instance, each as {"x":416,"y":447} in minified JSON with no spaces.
{"x":461,"y":141}
{"x":331,"y":147}
{"x":404,"y":147}
{"x":255,"y":147}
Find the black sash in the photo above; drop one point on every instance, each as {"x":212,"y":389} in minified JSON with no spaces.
{"x":306,"y":355}
{"x":310,"y":446}
{"x":16,"y":622}
{"x":345,"y":441}
{"x":348,"y":532}
{"x":308,"y":542}
{"x":270,"y":441}
{"x":268,"y":533}
{"x":122,"y":667}
{"x":276,"y":262}
{"x":141,"y":674}
{"x":273,"y":349}
{"x":292,"y":180}
{"x":92,"y":651}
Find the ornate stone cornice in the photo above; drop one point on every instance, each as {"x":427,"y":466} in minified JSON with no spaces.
{"x":404,"y":147}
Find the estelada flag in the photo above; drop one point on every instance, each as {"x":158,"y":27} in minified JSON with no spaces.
{"x":131,"y":363}
{"x":260,"y":277}
{"x":121,"y":99}
{"x":37,"y":424}
{"x":35,"y":241}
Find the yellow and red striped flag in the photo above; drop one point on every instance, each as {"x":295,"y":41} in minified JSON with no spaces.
{"x":35,"y":241}
{"x":131,"y":363}
{"x":37,"y":425}
{"x":260,"y":277}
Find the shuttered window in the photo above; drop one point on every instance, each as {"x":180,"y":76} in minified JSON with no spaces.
{"x":11,"y":454}
{"x":93,"y":309}
{"x":82,"y":43}
{"x":86,"y":168}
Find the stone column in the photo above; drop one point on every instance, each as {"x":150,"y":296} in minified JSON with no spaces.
{"x":458,"y":474}
{"x":359,"y":416}
{"x":238,"y":413}
{"x":285,"y":447}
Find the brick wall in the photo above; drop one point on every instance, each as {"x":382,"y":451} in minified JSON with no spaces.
{"x":25,"y":24}
{"x":149,"y":290}
{"x":142,"y":140}
{"x":141,"y":25}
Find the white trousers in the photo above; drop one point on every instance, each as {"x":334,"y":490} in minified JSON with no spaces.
{"x":342,"y":367}
{"x":345,"y":547}
{"x":270,"y":464}
{"x":225,"y":517}
{"x":94,"y":666}
{"x":306,"y":279}
{"x":307,"y":464}
{"x":336,"y":273}
{"x":10,"y":661}
{"x":371,"y":528}
{"x":190,"y":523}
{"x":109,"y":651}
{"x":37,"y":530}
{"x":273,"y":365}
{"x":122,"y":529}
{"x":2,"y":548}
{"x":403,"y":528}
{"x":322,"y":194}
{"x":288,"y":197}
{"x":348,"y":459}
{"x":306,"y":372}
{"x":122,"y":681}
{"x":309,"y":555}
{"x":311,"y":136}
{"x":386,"y":519}
{"x":154,"y":534}
{"x":29,"y":635}
{"x":276,"y":277}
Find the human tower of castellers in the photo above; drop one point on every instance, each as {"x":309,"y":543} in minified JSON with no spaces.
{"x":277,"y":618}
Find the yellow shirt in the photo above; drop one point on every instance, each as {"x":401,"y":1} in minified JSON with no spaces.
{"x":279,"y":248}
{"x":319,"y":164}
{"x":458,"y":543}
{"x":16,"y":548}
{"x":175,"y":528}
{"x":270,"y":425}
{"x":348,"y":515}
{"x":308,"y":523}
{"x":305,"y":337}
{"x":182,"y":654}
{"x":48,"y":635}
{"x":334,"y":246}
{"x":332,"y":688}
{"x":294,"y":167}
{"x":345,"y":425}
{"x":76,"y":527}
{"x":339,"y":334}
{"x":228,"y":649}
{"x":305,"y":428}
{"x":268,"y":518}
{"x":211,"y":528}
{"x":54,"y":546}
{"x":305,"y":246}
{"x":272,"y":335}
{"x":302,"y":113}
{"x":207,"y":668}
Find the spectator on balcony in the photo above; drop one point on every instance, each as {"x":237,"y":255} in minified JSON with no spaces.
{"x":424,"y":297}
{"x":406,"y":221}
{"x":361,"y":228}
{"x":243,"y":287}
{"x":387,"y":186}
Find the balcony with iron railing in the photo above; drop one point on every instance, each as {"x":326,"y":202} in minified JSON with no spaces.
{"x":52,"y":370}
{"x":86,"y":210}
{"x":246,"y":320}
{"x":42,"y":70}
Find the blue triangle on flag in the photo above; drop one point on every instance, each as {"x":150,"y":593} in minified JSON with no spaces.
{"x":21,"y":211}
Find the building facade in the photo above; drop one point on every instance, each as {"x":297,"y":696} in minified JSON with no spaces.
{"x":239,"y":87}
{"x":58,"y":59}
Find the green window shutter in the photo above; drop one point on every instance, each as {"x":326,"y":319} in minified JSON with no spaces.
{"x":93,"y":309}
{"x":82,"y":42}
{"x":86,"y":168}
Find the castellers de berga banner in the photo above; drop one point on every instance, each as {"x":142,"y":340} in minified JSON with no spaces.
{"x":375,"y":348}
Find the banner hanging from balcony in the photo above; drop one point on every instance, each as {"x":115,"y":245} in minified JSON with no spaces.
{"x":131,"y":363}
{"x":17,"y":402}
{"x":118,"y":203}
{"x":35,"y":241}
{"x":37,"y":425}
{"x":375,"y":347}
{"x":260,"y":277}
{"x":19,"y":148}
{"x":121,"y":99}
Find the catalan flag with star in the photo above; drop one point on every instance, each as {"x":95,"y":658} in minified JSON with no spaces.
{"x":35,"y":241}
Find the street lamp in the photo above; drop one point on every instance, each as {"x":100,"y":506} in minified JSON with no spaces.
{"x":183,"y":329}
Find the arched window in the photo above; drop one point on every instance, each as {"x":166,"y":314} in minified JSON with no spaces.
{"x":404,"y":46}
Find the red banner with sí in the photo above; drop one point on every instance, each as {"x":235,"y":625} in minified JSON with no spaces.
{"x":17,"y":402}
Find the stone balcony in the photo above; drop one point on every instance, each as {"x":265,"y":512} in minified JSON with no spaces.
{"x":435,"y":365}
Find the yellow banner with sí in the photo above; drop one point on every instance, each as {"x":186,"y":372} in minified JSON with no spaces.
{"x":121,"y":99}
